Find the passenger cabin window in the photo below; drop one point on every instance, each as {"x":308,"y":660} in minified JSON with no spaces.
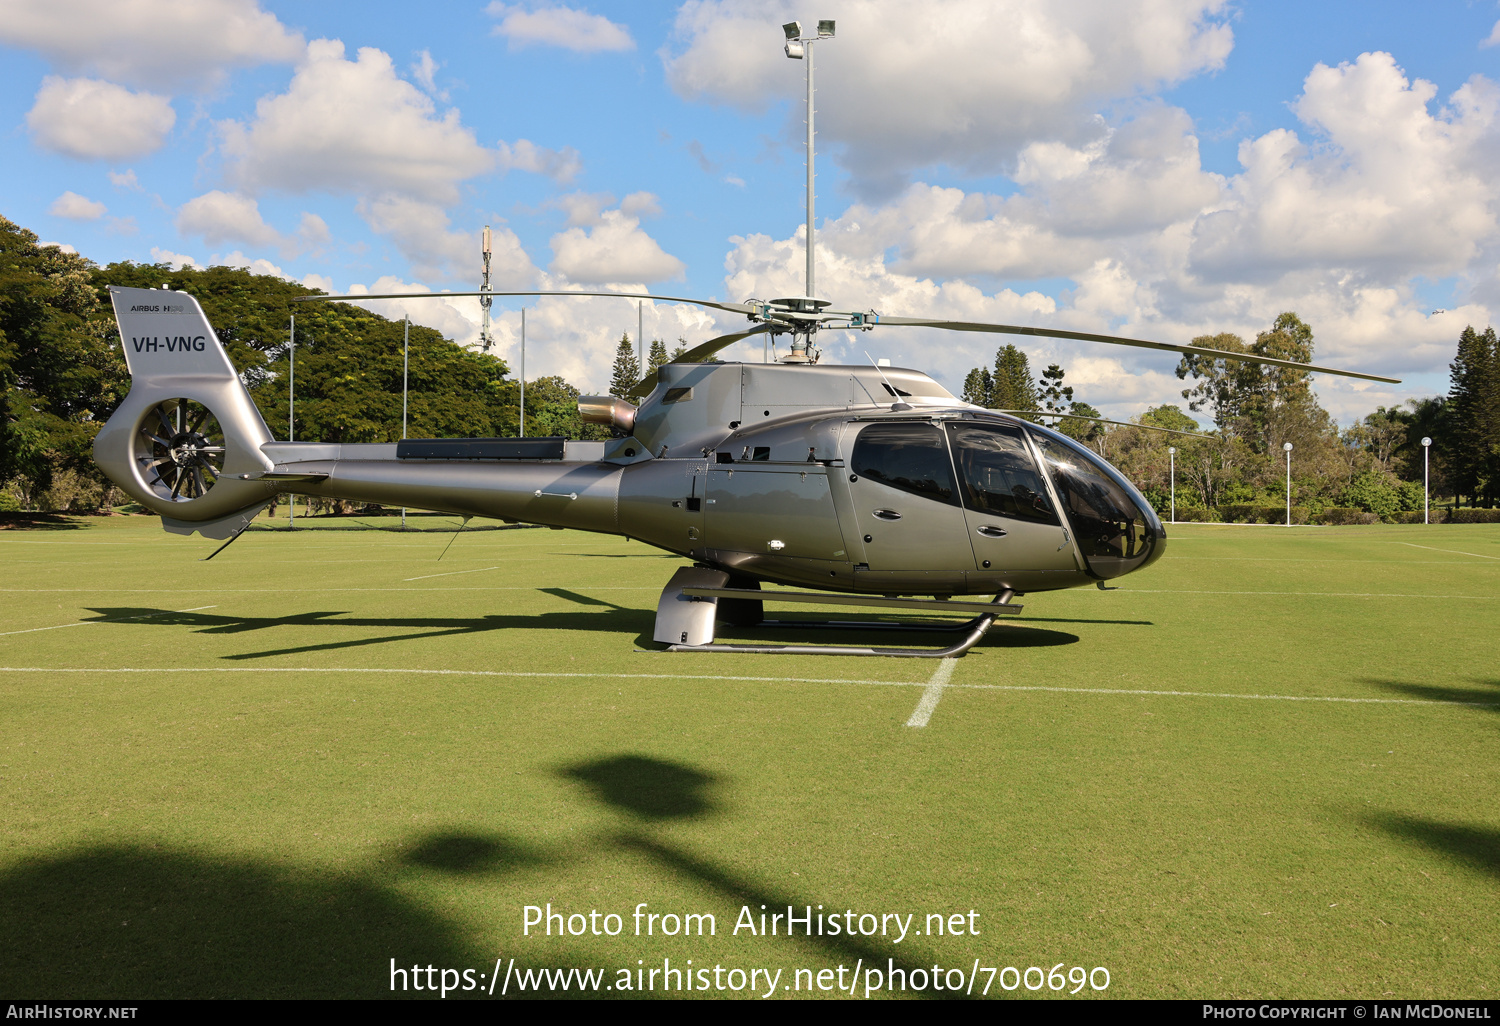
{"x":998,"y":473}
{"x":911,"y":457}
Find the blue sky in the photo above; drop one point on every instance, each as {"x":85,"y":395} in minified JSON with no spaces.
{"x":1162,"y":168}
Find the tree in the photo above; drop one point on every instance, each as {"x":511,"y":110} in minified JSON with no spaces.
{"x":1055,"y":396}
{"x":1085,"y":431}
{"x":977,"y":387}
{"x":60,"y":374}
{"x":1013,"y":388}
{"x":1170,"y":417}
{"x":1474,"y":416}
{"x":658,"y":355}
{"x":627,"y":372}
{"x":1219,"y":384}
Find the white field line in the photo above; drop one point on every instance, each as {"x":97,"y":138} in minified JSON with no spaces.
{"x":933,"y":693}
{"x":725,"y":677}
{"x":1303,"y":594}
{"x":118,"y":619}
{"x":211,"y":589}
{"x":451,"y":573}
{"x":1458,"y":552}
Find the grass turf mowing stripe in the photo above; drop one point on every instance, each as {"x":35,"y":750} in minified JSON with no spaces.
{"x":762,"y":680}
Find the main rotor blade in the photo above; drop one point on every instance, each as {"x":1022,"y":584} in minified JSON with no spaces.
{"x":1115,"y":340}
{"x":739,"y":308}
{"x":698,"y":354}
{"x":1100,"y":420}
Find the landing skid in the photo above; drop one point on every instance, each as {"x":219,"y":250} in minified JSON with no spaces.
{"x":697,"y":598}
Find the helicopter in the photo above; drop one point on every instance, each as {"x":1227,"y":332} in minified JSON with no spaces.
{"x":875,"y":485}
{"x":864,"y":486}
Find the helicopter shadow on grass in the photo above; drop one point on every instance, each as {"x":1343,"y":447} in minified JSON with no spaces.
{"x":1485,"y":697}
{"x":1476,"y":847}
{"x":145,"y":919}
{"x":649,"y":791}
{"x":612,"y":620}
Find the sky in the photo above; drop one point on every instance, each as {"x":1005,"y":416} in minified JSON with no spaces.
{"x":1159,"y":169}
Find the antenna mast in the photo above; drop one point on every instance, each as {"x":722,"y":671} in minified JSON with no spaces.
{"x":485,"y":338}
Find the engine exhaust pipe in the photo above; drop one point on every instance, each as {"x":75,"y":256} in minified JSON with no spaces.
{"x":606,"y":409}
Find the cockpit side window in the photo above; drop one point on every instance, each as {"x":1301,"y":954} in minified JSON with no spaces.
{"x":908,"y":456}
{"x":997,"y":473}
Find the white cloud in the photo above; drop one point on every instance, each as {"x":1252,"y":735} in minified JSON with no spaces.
{"x":641,"y":204}
{"x":177,"y":260}
{"x":60,"y":245}
{"x":1493,"y":39}
{"x":977,"y":82}
{"x":420,"y":230}
{"x":76,"y":207}
{"x":562,"y":166}
{"x":155,"y":43}
{"x":352,"y":127}
{"x":613,"y":250}
{"x":255,"y":265}
{"x":564,"y":27}
{"x":221,"y":217}
{"x":313,"y":231}
{"x":94,"y":120}
{"x":424,"y":70}
{"x":457,"y":317}
{"x":1391,"y":191}
{"x":124,"y":180}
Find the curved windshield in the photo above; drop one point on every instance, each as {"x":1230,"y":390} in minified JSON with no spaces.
{"x":997,"y":473}
{"x":1117,"y":530}
{"x":908,"y":456}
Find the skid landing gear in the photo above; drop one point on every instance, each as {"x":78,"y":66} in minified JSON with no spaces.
{"x":697,"y":598}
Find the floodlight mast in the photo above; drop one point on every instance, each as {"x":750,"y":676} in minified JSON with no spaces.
{"x":799,"y":47}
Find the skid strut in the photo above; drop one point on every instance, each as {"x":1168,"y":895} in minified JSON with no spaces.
{"x":698,"y":597}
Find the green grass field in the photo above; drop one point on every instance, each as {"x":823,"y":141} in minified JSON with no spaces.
{"x":1265,"y":767}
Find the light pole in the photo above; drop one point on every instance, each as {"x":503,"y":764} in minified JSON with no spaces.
{"x":1426,"y":499}
{"x":1172,"y":453}
{"x":291,"y":411}
{"x":1288,"y":447}
{"x":405,"y":360}
{"x":523,"y":372}
{"x":796,"y":48}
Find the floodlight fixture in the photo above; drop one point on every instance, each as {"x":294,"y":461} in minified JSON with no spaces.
{"x":825,"y":29}
{"x":793,"y":29}
{"x":795,"y":49}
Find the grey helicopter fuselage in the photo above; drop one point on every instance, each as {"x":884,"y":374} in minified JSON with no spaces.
{"x":846,"y":478}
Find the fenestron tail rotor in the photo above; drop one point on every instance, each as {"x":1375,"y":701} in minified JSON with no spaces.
{"x":179,"y":450}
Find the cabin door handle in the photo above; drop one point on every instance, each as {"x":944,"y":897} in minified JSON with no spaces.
{"x":991,"y":531}
{"x":887,"y":514}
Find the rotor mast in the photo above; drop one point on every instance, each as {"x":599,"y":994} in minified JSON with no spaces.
{"x":799,"y":47}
